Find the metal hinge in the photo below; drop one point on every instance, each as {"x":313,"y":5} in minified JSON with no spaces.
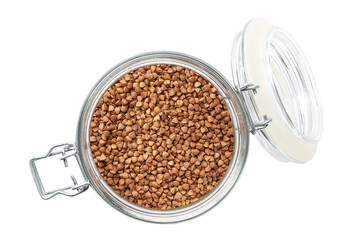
{"x":254,"y":126}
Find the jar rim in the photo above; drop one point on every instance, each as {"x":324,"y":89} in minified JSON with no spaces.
{"x":239,"y":125}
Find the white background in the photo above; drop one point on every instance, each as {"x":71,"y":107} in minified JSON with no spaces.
{"x":52,"y":53}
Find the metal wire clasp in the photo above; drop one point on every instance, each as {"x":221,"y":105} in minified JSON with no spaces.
{"x":254,"y":126}
{"x":66,"y":150}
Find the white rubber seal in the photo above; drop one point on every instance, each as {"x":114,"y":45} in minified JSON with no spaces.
{"x":285,"y":139}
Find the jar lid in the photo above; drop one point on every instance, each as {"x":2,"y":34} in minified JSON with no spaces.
{"x":278,"y":91}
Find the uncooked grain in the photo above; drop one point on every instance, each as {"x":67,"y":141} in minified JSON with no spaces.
{"x":162,"y":136}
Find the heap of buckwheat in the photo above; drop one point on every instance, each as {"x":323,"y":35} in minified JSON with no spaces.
{"x":161,"y":136}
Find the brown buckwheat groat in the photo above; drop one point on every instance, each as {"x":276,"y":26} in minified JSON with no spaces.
{"x":161,"y":136}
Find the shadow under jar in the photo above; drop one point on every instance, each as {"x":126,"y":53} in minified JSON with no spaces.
{"x":274,"y":98}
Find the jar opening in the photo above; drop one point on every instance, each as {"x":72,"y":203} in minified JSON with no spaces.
{"x":239,"y":126}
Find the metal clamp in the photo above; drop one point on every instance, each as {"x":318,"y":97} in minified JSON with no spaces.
{"x":263,"y":124}
{"x":248,"y":87}
{"x":66,"y":150}
{"x":254,"y":126}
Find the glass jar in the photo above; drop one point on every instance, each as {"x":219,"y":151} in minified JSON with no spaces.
{"x":274,"y":98}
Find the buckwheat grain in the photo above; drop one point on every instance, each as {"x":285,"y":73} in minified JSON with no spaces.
{"x":162,"y":136}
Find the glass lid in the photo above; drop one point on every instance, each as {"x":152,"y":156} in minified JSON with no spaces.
{"x":277,"y":88}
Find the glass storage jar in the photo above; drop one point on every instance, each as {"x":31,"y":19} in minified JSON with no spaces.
{"x":274,"y":97}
